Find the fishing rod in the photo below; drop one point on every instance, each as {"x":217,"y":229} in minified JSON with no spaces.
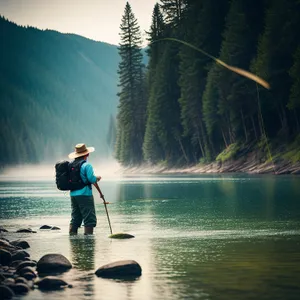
{"x":104,"y":202}
{"x":112,"y":235}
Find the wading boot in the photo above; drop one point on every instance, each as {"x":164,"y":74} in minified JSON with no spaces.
{"x":88,"y":230}
{"x":73,"y":230}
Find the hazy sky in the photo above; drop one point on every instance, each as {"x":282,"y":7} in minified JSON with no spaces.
{"x":95,"y":19}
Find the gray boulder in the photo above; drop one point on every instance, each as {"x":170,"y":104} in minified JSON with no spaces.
{"x":24,"y":264}
{"x":45,"y":227}
{"x":24,"y":270}
{"x":20,"y":255}
{"x":53,"y":263}
{"x":21,"y":280}
{"x":5,"y":243}
{"x":26,"y":230}
{"x":20,"y":288}
{"x":6,"y":292}
{"x":16,"y":263}
{"x":55,"y":228}
{"x":51,"y":283}
{"x":20,"y":243}
{"x":5,"y":257}
{"x":120,"y":269}
{"x":29,"y":276}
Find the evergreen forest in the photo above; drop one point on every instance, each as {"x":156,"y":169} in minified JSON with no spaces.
{"x":183,"y":108}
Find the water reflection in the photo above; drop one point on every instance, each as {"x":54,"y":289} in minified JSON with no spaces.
{"x":83,"y":259}
{"x":83,"y":252}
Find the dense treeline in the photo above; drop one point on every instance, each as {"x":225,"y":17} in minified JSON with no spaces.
{"x":195,"y":109}
{"x":56,"y":90}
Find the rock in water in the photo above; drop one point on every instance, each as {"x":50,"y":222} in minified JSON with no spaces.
{"x":20,"y":255}
{"x":51,"y":283}
{"x":6,"y":292}
{"x":20,"y":288}
{"x":55,"y":228}
{"x":53,"y":263}
{"x":5,"y":257}
{"x":3,"y":229}
{"x":120,"y":269}
{"x":26,"y":230}
{"x":45,"y":227}
{"x":24,"y":264}
{"x":121,"y":236}
{"x":20,"y":243}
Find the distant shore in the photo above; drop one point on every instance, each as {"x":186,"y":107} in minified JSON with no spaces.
{"x":241,"y":165}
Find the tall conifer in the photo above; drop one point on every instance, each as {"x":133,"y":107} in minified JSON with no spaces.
{"x":131,"y":113}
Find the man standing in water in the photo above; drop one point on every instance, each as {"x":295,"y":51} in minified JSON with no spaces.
{"x":82,"y":200}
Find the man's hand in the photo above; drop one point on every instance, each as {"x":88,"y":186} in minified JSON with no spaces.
{"x":98,"y":178}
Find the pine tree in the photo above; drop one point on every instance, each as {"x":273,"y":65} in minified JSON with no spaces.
{"x":173,"y":10}
{"x":243,"y":26}
{"x":203,"y":22}
{"x":294,"y":101}
{"x":151,"y":148}
{"x":131,"y":109}
{"x":163,"y":138}
{"x":276,"y":48}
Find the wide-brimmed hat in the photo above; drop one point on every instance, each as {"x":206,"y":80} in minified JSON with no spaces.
{"x":81,"y":150}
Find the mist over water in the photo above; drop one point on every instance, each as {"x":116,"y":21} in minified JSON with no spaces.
{"x":109,"y":169}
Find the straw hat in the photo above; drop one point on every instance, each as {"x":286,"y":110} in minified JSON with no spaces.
{"x":81,"y":150}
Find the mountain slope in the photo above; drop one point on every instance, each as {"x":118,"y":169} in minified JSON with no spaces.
{"x":56,"y":90}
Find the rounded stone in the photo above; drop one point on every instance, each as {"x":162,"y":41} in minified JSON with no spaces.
{"x":7,"y":281}
{"x":121,"y":236}
{"x":55,"y":228}
{"x":20,"y":255}
{"x":45,"y":227}
{"x":4,"y":242}
{"x":5,"y":257}
{"x":51,"y":283}
{"x":120,"y":269}
{"x":26,"y":270}
{"x":29,"y":275}
{"x":25,"y":230}
{"x":53,"y":263}
{"x":20,"y":280}
{"x":20,"y":288}
{"x":6,"y":292}
{"x":25,"y":263}
{"x":20,"y":243}
{"x":16,"y":263}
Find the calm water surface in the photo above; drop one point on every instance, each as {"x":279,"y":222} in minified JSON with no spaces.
{"x":201,"y":237}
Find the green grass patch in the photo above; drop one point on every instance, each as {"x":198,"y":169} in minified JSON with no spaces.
{"x":293,"y":155}
{"x":293,"y":151}
{"x":228,"y":153}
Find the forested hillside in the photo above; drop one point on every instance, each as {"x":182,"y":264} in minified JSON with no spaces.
{"x":197,"y":111}
{"x":56,"y":90}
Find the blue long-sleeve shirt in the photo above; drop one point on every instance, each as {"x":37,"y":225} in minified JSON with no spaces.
{"x":87,"y":175}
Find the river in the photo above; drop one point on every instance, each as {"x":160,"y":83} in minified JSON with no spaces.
{"x":196,"y":237}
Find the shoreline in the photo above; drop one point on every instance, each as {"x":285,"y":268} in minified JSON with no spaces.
{"x":241,"y":165}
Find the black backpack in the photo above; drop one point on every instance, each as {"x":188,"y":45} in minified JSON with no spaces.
{"x":67,"y":175}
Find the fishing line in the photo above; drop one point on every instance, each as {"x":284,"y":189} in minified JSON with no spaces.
{"x":239,"y":71}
